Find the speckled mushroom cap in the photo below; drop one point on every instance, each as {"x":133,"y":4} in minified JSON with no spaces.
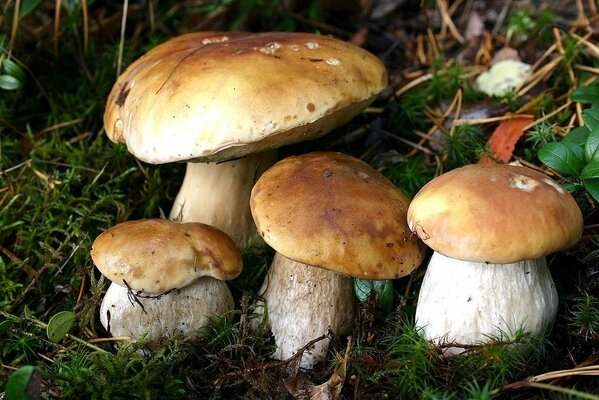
{"x":157,"y":255}
{"x":214,"y":96}
{"x":334,"y":211}
{"x":495,"y":213}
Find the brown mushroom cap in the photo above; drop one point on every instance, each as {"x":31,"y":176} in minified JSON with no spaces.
{"x":157,"y":255}
{"x":214,"y":96}
{"x":495,"y":213}
{"x":334,"y":211}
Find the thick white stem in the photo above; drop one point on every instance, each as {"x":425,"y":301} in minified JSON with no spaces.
{"x":469,"y":303}
{"x":218,"y":194}
{"x":180,"y":311}
{"x":303,"y":303}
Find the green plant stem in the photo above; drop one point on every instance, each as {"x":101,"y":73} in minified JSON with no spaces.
{"x":571,"y":392}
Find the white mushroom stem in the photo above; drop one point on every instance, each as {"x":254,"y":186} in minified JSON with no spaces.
{"x":180,"y":311}
{"x":470,"y":303}
{"x":302,"y":304}
{"x":218,"y":194}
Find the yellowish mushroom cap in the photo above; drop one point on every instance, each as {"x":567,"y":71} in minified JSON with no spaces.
{"x":157,"y":255}
{"x":495,"y":213}
{"x":214,"y":96}
{"x":333,"y":211}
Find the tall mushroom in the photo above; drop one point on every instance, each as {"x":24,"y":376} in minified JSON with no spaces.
{"x":490,"y":227}
{"x":330,"y":217}
{"x":167,"y":277}
{"x":224,"y":101}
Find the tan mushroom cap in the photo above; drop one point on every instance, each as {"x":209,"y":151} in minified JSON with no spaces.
{"x":157,"y":255}
{"x":334,"y":211}
{"x":214,"y":96}
{"x":495,"y":213}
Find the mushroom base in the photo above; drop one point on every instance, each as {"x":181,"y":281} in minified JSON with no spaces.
{"x":218,"y":194}
{"x":303,"y":303}
{"x":180,"y":311}
{"x":471,"y":303}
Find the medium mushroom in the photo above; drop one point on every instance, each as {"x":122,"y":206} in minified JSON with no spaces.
{"x":329,"y":217}
{"x":167,"y":277}
{"x":224,"y":101}
{"x":490,"y":227}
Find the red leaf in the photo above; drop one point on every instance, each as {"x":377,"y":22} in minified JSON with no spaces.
{"x":503,"y":141}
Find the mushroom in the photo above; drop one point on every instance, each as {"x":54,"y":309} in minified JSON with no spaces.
{"x":167,"y":277}
{"x":490,"y":227}
{"x":224,"y":101}
{"x":329,"y":216}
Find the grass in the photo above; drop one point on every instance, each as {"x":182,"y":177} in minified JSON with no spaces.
{"x":62,"y":182}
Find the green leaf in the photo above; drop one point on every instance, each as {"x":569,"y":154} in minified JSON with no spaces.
{"x":27,"y":6}
{"x":5,"y":326}
{"x":586,"y":94}
{"x":590,"y":171}
{"x":13,"y":69}
{"x":592,"y":186}
{"x":59,"y":325}
{"x":8,"y":82}
{"x":578,"y":136}
{"x":591,"y":147}
{"x":590,"y":179}
{"x":24,"y":384}
{"x":591,"y":118}
{"x":382,"y":289}
{"x":564,"y":157}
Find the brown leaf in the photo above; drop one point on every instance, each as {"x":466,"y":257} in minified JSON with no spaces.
{"x":302,"y":389}
{"x":504,"y":139}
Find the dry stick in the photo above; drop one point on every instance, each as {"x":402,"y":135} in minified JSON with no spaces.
{"x":59,"y":126}
{"x":540,"y":74}
{"x":448,"y":22}
{"x":587,"y":69}
{"x":420,"y":49}
{"x":110,"y":339}
{"x":544,"y":56}
{"x":560,"y":48}
{"x":458,"y":98}
{"x":85,"y":25}
{"x":413,"y":84}
{"x":551,"y":114}
{"x":57,"y":8}
{"x":122,"y":39}
{"x":501,"y":17}
{"x":591,"y":370}
{"x":15,"y":24}
{"x":592,"y":48}
{"x":81,"y":291}
{"x":417,"y":146}
{"x":434,"y":46}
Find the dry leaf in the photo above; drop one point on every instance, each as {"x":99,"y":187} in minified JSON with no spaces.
{"x":504,"y":139}
{"x":302,"y":389}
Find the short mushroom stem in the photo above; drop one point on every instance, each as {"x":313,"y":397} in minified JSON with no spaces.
{"x":179,"y":311}
{"x":470,"y":303}
{"x":303,"y":303}
{"x":218,"y":194}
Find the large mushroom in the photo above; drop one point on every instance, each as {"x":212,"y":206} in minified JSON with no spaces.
{"x":329,"y":216}
{"x":167,"y":277}
{"x":490,"y":227}
{"x":223,"y":101}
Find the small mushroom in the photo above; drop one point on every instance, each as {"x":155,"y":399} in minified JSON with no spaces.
{"x":490,"y":227}
{"x":224,"y":102}
{"x":330,"y":217}
{"x":167,"y":277}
